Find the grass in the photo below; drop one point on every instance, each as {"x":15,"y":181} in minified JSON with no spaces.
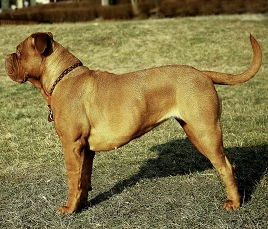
{"x":158,"y":180}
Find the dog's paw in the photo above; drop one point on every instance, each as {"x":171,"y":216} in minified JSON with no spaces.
{"x":231,"y":205}
{"x":65,"y":210}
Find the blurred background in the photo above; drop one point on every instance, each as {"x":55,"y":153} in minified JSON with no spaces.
{"x":51,"y":11}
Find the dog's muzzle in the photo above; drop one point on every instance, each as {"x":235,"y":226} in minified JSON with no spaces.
{"x":9,"y":65}
{"x":12,"y":69}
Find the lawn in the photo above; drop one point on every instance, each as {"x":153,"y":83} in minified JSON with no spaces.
{"x":159,"y":180}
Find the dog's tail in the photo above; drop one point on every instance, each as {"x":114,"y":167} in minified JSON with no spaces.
{"x":230,"y":79}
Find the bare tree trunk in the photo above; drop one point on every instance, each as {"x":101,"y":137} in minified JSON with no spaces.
{"x":104,"y":2}
{"x":135,"y":7}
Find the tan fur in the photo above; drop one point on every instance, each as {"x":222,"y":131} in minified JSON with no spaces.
{"x":97,"y":111}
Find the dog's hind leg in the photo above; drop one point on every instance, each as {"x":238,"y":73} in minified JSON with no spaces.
{"x":207,"y":137}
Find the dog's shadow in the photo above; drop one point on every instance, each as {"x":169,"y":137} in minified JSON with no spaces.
{"x":180,"y":157}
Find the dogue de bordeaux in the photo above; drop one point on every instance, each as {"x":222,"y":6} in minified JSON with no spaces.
{"x":98,"y":111}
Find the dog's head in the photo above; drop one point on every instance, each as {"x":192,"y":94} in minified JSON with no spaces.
{"x":27,"y":61}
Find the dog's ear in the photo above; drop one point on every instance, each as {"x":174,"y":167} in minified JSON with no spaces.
{"x":43,"y":42}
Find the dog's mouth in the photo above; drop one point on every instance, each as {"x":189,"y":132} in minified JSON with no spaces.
{"x":13,"y":70}
{"x":9,"y":65}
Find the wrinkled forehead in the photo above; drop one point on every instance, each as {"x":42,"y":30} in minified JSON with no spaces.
{"x":26,"y":43}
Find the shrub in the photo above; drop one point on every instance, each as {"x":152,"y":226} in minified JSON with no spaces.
{"x":171,"y":8}
{"x":231,"y":6}
{"x":210,"y":7}
{"x":254,"y":6}
{"x":146,"y":7}
{"x":123,"y":11}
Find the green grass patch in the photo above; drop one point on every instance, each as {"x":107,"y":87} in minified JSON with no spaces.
{"x":159,"y":180}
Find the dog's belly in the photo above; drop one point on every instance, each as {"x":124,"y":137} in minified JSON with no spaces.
{"x":102,"y":142}
{"x":103,"y":138}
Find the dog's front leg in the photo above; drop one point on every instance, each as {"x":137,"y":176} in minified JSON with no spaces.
{"x":79,"y":161}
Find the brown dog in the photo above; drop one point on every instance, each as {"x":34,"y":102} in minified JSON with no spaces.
{"x":97,"y":111}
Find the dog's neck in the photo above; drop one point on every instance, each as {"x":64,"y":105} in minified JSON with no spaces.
{"x":37,"y":83}
{"x":64,"y":73}
{"x":48,"y":75}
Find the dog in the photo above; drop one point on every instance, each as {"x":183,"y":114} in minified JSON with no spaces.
{"x":99,"y":111}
